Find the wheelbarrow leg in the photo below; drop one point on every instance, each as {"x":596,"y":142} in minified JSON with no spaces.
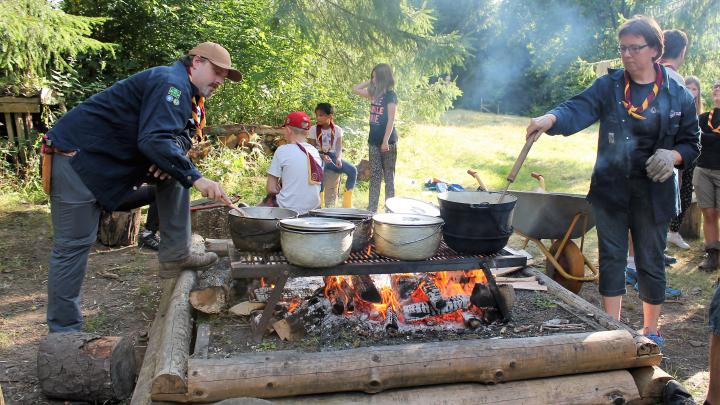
{"x":566,"y":237}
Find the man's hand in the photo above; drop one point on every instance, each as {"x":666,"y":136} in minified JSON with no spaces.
{"x":210,"y":189}
{"x":157,"y":173}
{"x":539,"y":125}
{"x":660,"y":165}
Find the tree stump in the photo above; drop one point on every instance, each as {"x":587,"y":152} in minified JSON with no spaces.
{"x":211,"y":293}
{"x":331,"y":186}
{"x":692,"y":222}
{"x":119,"y":228}
{"x":211,"y":223}
{"x":86,"y":367}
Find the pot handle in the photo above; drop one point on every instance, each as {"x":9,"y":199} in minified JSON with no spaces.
{"x":407,"y":243}
{"x":480,"y":205}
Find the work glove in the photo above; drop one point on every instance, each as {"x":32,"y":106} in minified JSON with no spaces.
{"x":660,"y":165}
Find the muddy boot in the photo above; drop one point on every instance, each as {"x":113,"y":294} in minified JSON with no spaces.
{"x":710,"y":263}
{"x":195,"y":261}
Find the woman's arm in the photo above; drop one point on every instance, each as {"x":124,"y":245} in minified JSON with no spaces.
{"x":273,"y":185}
{"x":361,"y":89}
{"x":391,"y":109}
{"x":338,"y":151}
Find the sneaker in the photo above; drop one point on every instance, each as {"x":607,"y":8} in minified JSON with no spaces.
{"x":669,"y":291}
{"x":150,"y":240}
{"x":669,"y":260}
{"x":630,"y":276}
{"x":196,"y":261}
{"x":677,"y":240}
{"x":657,"y":338}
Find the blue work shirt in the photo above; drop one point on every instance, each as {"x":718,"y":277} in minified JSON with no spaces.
{"x":120,"y":132}
{"x":602,"y":101}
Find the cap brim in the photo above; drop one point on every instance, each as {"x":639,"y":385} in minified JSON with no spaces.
{"x":234,"y":75}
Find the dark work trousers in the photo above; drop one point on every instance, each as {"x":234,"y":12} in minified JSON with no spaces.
{"x":142,"y":196}
{"x":686,"y":190}
{"x":75,"y":216}
{"x":382,"y":166}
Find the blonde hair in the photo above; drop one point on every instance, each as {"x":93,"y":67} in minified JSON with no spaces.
{"x":698,"y":100}
{"x":383,"y":82}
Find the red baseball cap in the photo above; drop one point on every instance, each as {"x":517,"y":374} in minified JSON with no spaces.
{"x":298,"y":119}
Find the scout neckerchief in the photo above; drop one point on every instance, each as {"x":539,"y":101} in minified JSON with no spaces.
{"x":627,"y":102}
{"x":714,"y":129}
{"x":198,"y":114}
{"x":315,"y":171}
{"x":318,"y":137}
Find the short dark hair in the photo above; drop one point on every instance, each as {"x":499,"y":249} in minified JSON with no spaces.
{"x":187,"y":60}
{"x":327,"y":108}
{"x":647,"y":28}
{"x":675,"y":42}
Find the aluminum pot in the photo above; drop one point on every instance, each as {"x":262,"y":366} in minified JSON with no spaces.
{"x":361,"y":218}
{"x":258,"y":231}
{"x":315,"y":248}
{"x":407,"y":236}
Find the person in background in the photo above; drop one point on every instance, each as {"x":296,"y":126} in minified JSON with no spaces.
{"x":673,"y":57}
{"x":295,"y":173}
{"x":328,"y":138}
{"x":648,"y":127}
{"x":692,"y":83}
{"x":383,"y":137}
{"x":707,"y":180}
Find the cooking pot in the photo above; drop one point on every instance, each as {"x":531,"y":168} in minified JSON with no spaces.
{"x":406,"y":236}
{"x":475,"y":222}
{"x":361,"y":218}
{"x":316,"y":242}
{"x":258,"y":230}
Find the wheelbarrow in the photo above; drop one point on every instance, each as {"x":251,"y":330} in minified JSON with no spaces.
{"x":560,"y":218}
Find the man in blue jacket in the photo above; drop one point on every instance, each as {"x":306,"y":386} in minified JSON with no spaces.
{"x":138,"y":130}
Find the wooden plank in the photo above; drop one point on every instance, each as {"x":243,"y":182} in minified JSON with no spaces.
{"x":20,"y":127}
{"x":202,"y":341}
{"x":375,"y":369}
{"x":218,"y":246}
{"x":20,"y":100}
{"x":20,"y":108}
{"x":611,"y":387}
{"x":10,"y":125}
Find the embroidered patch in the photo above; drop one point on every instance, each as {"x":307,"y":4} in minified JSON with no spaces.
{"x":176,"y":101}
{"x":173,"y":96}
{"x":611,"y":137}
{"x":675,"y":114}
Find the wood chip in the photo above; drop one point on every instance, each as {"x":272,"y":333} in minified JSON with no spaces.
{"x":246,"y":307}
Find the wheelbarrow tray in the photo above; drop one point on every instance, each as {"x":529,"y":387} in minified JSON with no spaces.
{"x":548,"y":215}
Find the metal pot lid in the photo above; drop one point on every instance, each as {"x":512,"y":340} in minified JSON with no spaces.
{"x":316,"y":224}
{"x":407,"y":219}
{"x":344,"y":213}
{"x":402,"y":205}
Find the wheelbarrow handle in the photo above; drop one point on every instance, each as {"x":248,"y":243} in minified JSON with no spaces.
{"x":521,"y":158}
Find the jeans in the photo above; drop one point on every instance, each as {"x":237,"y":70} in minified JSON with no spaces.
{"x":75,"y":215}
{"x":649,"y":238}
{"x":347,"y":168}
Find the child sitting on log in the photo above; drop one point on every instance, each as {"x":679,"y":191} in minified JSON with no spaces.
{"x":295,"y":173}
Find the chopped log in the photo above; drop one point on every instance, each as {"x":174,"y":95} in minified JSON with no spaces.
{"x":374,"y":369}
{"x":211,"y":222}
{"x":218,"y":246}
{"x":391,"y":322}
{"x":141,"y":395}
{"x":246,"y":308}
{"x":86,"y":367}
{"x":435,"y":298}
{"x":403,"y":285}
{"x":171,"y":369}
{"x":287,"y":331}
{"x":692,"y":221}
{"x":472,"y":321}
{"x":212,"y":291}
{"x":202,"y":341}
{"x":119,"y":228}
{"x":309,"y":314}
{"x":365,"y":288}
{"x":420,"y":310}
{"x":261,"y":294}
{"x":650,"y":382}
{"x":611,"y":387}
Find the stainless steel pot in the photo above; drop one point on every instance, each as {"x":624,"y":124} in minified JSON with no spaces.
{"x":407,"y":236}
{"x":361,"y":218}
{"x":258,"y":231}
{"x":314,"y":248}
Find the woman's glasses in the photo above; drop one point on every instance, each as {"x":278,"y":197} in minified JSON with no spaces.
{"x":633,"y":49}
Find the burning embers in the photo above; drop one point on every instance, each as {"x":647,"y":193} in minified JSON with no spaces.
{"x":399,"y":302}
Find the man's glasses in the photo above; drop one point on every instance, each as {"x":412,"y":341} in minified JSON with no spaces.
{"x":634,"y":49}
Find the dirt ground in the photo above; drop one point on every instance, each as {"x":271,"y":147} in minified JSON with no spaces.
{"x":126,"y":305}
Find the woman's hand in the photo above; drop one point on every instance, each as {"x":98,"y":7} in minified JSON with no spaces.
{"x":338,"y":163}
{"x":385,"y":147}
{"x":539,"y":125}
{"x":326,"y":158}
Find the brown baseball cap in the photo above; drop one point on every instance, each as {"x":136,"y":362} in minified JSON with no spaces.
{"x":219,"y":57}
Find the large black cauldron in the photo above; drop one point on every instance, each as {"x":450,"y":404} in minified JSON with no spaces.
{"x":475,"y":222}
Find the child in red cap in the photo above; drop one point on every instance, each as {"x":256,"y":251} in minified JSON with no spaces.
{"x":295,"y":173}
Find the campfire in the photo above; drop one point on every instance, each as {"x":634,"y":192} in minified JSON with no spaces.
{"x":393,"y":303}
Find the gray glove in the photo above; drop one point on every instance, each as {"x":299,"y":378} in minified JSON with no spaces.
{"x":660,"y":165}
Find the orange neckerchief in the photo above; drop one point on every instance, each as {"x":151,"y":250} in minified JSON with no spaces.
{"x":198,"y":104}
{"x":627,"y":102}
{"x":714,"y":129}
{"x":318,"y":137}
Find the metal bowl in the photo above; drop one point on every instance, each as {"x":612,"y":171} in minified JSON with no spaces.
{"x":258,"y":231}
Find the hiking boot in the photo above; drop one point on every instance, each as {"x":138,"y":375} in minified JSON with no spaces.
{"x":675,"y":394}
{"x":710,"y":263}
{"x":677,"y":240}
{"x":196,"y":261}
{"x":150,"y":240}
